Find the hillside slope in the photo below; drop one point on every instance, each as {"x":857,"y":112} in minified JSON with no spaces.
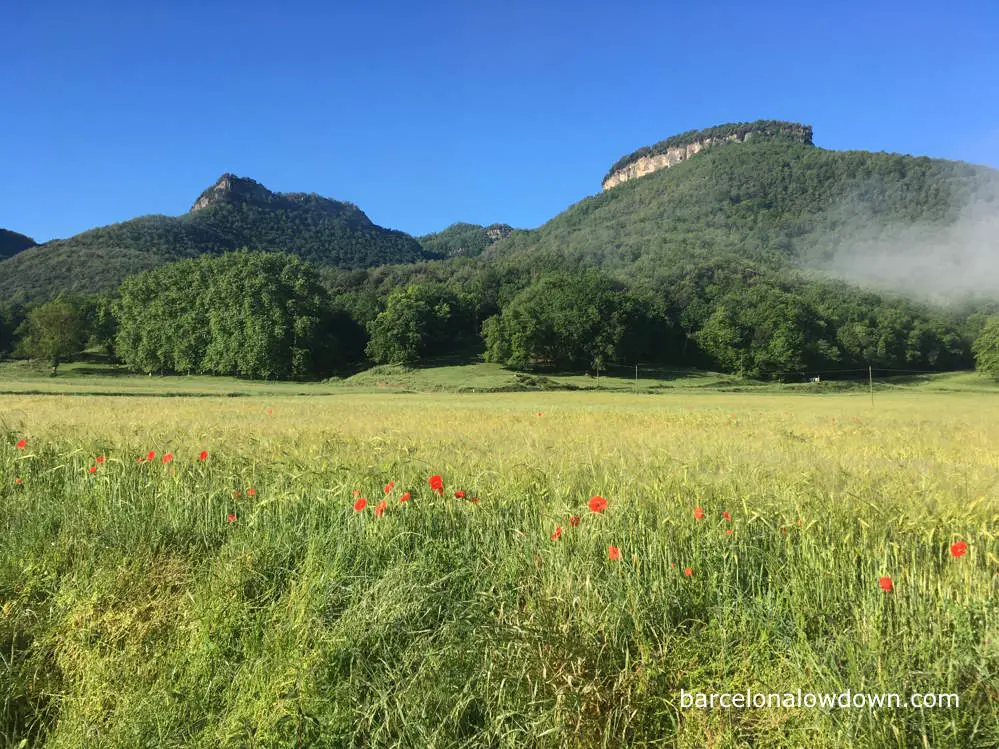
{"x":469,"y":240}
{"x":231,"y":214}
{"x":12,"y":243}
{"x":779,"y":203}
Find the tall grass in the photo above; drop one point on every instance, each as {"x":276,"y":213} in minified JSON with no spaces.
{"x":133,"y":613}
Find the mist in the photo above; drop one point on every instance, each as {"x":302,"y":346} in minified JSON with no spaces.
{"x":941,"y":261}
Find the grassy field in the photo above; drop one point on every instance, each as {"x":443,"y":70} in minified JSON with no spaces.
{"x":165,"y":604}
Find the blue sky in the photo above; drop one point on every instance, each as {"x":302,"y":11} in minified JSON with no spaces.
{"x":425,"y":114}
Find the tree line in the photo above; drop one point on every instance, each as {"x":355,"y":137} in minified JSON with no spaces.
{"x":274,"y":316}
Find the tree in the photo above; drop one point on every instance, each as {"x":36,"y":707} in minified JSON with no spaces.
{"x":986,"y":348}
{"x":418,"y":321}
{"x":562,"y":320}
{"x":53,"y":332}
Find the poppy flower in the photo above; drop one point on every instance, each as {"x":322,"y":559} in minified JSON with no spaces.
{"x":539,"y":413}
{"x":475,"y":500}
{"x":885,"y":583}
{"x":231,"y":517}
{"x":688,"y":572}
{"x":727,"y":516}
{"x":459,"y":494}
{"x":437,"y":484}
{"x":360,"y":504}
{"x":574,"y":521}
{"x":699,"y":513}
{"x":18,"y":481}
{"x":237,"y":494}
{"x":557,"y":533}
{"x":203,"y":456}
{"x":405,"y":497}
{"x":251,"y":492}
{"x":598,"y":504}
{"x":389,"y":486}
{"x":380,"y":508}
{"x":21,"y":444}
{"x":150,"y":455}
{"x":100,"y":459}
{"x":167,"y":457}
{"x":270,"y":410}
{"x":613,"y":553}
{"x":958,"y":549}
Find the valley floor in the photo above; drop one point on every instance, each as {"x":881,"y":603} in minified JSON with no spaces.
{"x":200,"y":571}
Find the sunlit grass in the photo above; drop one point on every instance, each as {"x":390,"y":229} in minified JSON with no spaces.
{"x":134,"y":613}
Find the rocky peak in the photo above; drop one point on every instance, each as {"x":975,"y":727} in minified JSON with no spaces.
{"x":232,"y":189}
{"x":496,"y":232}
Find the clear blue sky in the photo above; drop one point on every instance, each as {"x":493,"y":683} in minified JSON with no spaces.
{"x":428,"y":113}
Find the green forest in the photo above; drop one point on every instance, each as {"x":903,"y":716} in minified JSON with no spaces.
{"x":720,"y":262}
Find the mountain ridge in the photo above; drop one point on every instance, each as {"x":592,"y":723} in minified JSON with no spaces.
{"x":233,"y":213}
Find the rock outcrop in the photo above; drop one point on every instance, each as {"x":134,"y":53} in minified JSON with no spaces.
{"x":681,"y":147}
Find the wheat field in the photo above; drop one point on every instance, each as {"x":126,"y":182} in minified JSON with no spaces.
{"x":234,"y":596}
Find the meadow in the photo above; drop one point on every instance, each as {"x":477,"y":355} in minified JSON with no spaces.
{"x":200,"y":571}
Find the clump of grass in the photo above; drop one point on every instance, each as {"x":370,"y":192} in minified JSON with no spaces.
{"x":147,"y":604}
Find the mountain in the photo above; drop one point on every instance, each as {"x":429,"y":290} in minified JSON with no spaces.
{"x":469,"y":240}
{"x":12,"y":243}
{"x":234,"y":212}
{"x":780,"y":201}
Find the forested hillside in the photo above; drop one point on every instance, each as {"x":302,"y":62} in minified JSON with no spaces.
{"x":235,"y":213}
{"x":12,"y":243}
{"x":469,"y":240}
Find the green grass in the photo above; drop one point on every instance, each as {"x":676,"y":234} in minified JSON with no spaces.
{"x":133,"y":614}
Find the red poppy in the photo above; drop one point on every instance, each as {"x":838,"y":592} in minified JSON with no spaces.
{"x":728,"y":531}
{"x":21,"y":444}
{"x":100,"y":459}
{"x":237,"y":494}
{"x":475,"y":500}
{"x":360,"y":504}
{"x":251,"y":492}
{"x":557,"y":533}
{"x":150,"y":455}
{"x":727,"y":516}
{"x":93,"y":469}
{"x":699,"y":513}
{"x":539,"y":413}
{"x":203,"y":456}
{"x":885,"y":583}
{"x":574,"y":521}
{"x":613,"y":553}
{"x":459,"y":494}
{"x":688,"y":571}
{"x":405,"y":497}
{"x":598,"y":504}
{"x":958,"y":549}
{"x":270,"y":410}
{"x":18,"y":481}
{"x":380,"y":508}
{"x":437,"y":484}
{"x":231,"y":517}
{"x":389,"y":486}
{"x":167,"y":457}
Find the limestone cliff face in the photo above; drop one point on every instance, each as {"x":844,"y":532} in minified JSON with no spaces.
{"x":648,"y":164}
{"x":680,"y":148}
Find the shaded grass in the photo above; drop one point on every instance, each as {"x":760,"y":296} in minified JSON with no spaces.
{"x":135,"y":614}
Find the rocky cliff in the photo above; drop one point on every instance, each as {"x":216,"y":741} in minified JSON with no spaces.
{"x":681,"y":147}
